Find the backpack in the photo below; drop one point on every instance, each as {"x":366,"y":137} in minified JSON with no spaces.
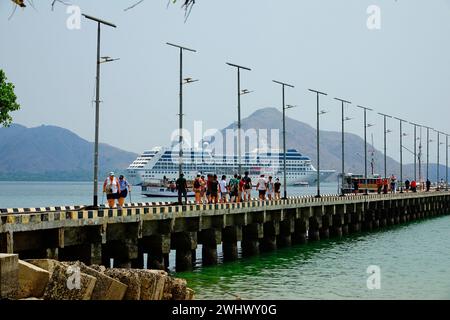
{"x":234,"y":185}
{"x":247,"y":182}
{"x":196,"y":184}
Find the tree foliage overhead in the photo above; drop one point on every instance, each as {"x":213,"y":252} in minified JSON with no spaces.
{"x":8,"y":100}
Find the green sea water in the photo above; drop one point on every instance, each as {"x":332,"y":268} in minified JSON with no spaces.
{"x":414,"y":262}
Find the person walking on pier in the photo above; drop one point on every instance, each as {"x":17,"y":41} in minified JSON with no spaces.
{"x":241,"y":189}
{"x":197,"y":189}
{"x":209,"y":180}
{"x":223,"y":185}
{"x":247,"y":186}
{"x":111,"y":187}
{"x":124,"y":189}
{"x":385,"y":186}
{"x":214,"y":185}
{"x":393,"y":184}
{"x":414,"y":186}
{"x":270,"y":187}
{"x":277,"y":188}
{"x":407,"y":185}
{"x":181,"y":184}
{"x":261,"y":186}
{"x":428,"y":185}
{"x":203,"y":197}
{"x":234,"y":188}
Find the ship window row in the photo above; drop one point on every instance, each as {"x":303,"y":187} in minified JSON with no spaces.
{"x":170,"y":160}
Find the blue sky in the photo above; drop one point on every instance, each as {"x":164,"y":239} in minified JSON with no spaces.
{"x":402,"y":69}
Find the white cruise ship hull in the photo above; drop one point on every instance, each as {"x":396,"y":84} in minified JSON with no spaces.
{"x":157,"y":164}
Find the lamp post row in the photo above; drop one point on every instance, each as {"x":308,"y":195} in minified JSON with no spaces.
{"x":100,"y":60}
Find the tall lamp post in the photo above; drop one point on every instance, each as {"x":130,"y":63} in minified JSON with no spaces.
{"x":415,"y":150}
{"x":365,"y":143}
{"x":318,"y":113}
{"x":97,"y":101}
{"x":401,"y":152}
{"x":446,"y":162}
{"x":428,"y":150}
{"x":283,"y":85}
{"x":438,"y":163}
{"x":386,"y":131}
{"x":419,"y":156}
{"x":239,"y":93}
{"x":181,"y":49}
{"x":343,"y":119}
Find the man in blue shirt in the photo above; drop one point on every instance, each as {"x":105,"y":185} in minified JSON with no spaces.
{"x":124,"y":189}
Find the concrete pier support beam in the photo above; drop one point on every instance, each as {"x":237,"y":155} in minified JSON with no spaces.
{"x":269,"y":241}
{"x":287,"y":228}
{"x":314,"y":229}
{"x":368,"y":220}
{"x":230,"y":237}
{"x":184,"y":243}
{"x":300,"y":235}
{"x":209,"y":239}
{"x":122,"y":251}
{"x":250,"y":238}
{"x":338,"y":219}
{"x":156,"y":246}
{"x":356,"y":217}
{"x":327,"y":223}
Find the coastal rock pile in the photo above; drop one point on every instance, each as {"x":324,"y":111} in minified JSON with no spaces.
{"x":48,"y":279}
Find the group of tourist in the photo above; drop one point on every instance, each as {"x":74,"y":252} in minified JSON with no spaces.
{"x":391,"y":185}
{"x":235,"y":190}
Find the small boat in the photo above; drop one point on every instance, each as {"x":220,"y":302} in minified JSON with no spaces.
{"x":301,"y":184}
{"x":162,"y":190}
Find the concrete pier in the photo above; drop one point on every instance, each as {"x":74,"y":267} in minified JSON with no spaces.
{"x":125,"y":235}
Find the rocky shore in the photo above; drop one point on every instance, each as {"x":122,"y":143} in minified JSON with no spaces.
{"x":47,"y":279}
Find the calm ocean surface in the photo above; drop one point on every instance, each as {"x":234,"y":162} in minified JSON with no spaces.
{"x":414,"y":259}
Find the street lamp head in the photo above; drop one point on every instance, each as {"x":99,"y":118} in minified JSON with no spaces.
{"x":321,"y":112}
{"x":180,"y":47}
{"x":365,"y":108}
{"x":384,"y":115}
{"x":238,"y":66}
{"x":283,"y":83}
{"x":388,"y":131}
{"x":370,"y":125}
{"x":99,"y":20}
{"x":342,"y":100}
{"x":290,"y":106}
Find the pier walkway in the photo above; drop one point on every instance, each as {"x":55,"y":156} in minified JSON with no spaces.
{"x":96,"y":236}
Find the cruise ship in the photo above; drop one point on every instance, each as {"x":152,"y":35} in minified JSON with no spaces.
{"x":159,"y":163}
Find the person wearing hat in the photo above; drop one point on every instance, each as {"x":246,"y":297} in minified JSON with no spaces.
{"x":124,"y":189}
{"x":111,"y":187}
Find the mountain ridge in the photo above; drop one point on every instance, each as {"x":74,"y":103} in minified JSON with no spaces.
{"x":49,"y":152}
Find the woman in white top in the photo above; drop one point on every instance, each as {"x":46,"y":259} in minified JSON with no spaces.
{"x":223,"y":186}
{"x":261,"y":186}
{"x":111,"y":187}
